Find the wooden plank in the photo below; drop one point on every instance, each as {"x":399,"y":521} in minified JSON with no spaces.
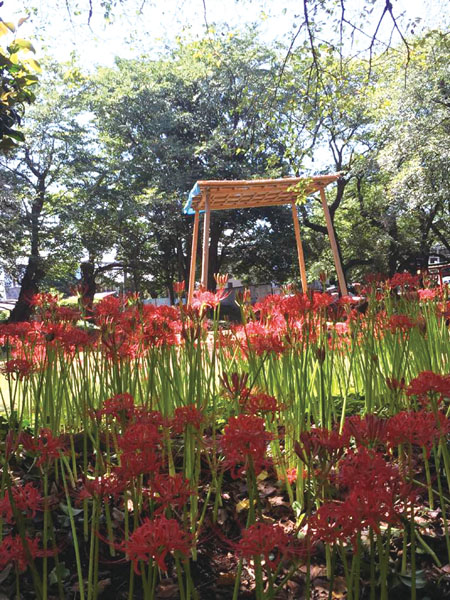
{"x":205,"y":250}
{"x":256,"y":182}
{"x":334,"y":248}
{"x":301,"y":257}
{"x":193,"y":257}
{"x":255,"y":193}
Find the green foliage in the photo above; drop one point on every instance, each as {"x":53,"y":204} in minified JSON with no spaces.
{"x":18,"y":79}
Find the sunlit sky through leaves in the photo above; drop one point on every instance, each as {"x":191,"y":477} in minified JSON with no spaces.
{"x":139,"y":27}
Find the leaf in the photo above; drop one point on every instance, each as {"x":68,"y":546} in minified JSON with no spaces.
{"x":60,"y":571}
{"x":6,"y":27}
{"x":33,"y":64}
{"x":421,"y":582}
{"x":74,"y":511}
{"x":24,"y":45}
{"x":6,"y":571}
{"x":22,"y":20}
{"x":243,"y":505}
{"x":13,"y":133}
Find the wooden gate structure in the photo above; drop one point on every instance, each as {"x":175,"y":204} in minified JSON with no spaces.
{"x":206,"y":196}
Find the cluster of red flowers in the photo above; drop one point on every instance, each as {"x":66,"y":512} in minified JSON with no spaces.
{"x":244,"y":444}
{"x":12,"y":551}
{"x":26,"y":499}
{"x":154,"y":540}
{"x":375,"y":493}
{"x":45,"y":446}
{"x":18,"y":367}
{"x":429,"y":383}
{"x":269,"y":541}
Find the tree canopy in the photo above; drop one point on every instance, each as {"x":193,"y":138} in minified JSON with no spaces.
{"x":109,"y":157}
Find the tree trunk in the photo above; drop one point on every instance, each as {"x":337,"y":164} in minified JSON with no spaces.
{"x":88,"y":286}
{"x":34,"y":271}
{"x":29,"y":287}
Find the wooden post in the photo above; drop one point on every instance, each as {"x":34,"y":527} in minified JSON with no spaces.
{"x":301,"y":257}
{"x":334,"y":248}
{"x":193,"y":257}
{"x":206,"y":242}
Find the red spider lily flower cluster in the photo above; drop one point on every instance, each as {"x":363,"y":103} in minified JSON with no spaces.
{"x":178,"y":287}
{"x":203,"y":299}
{"x":321,"y":443}
{"x":426,"y":295}
{"x":168,"y":491}
{"x":268,"y":541}
{"x":154,"y":540}
{"x":185,"y":416}
{"x":106,"y":486}
{"x":375,"y":493}
{"x":422,"y":428}
{"x":120,"y":406}
{"x":140,"y":450}
{"x":369,"y":431}
{"x":26,"y":499}
{"x":250,"y":402}
{"x":427,"y":383}
{"x":235,"y":385}
{"x":259,"y":402}
{"x":403,"y":280}
{"x":18,"y":367}
{"x":12,"y":551}
{"x":400,"y":323}
{"x":45,"y":446}
{"x":244,"y":444}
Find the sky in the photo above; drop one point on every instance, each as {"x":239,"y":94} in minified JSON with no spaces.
{"x":140,"y":27}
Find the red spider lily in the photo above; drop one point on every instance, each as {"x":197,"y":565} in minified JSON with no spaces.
{"x":155,"y":539}
{"x":262,"y":339}
{"x":394,"y":384}
{"x":26,"y":499}
{"x":421,"y":428}
{"x":265,"y":540}
{"x":320,"y":300}
{"x":140,"y":450}
{"x":366,"y":468}
{"x":185,"y":416}
{"x":18,"y":367}
{"x":44,"y":300}
{"x":120,"y":406}
{"x":221,"y":280}
{"x":403,"y":280}
{"x":235,"y":385}
{"x":259,"y":402}
{"x":14,"y":330}
{"x":204,"y":299}
{"x":143,"y":415}
{"x":291,"y":475}
{"x":244,"y":442}
{"x":167,"y":490}
{"x":321,"y":443}
{"x":46,"y":446}
{"x":426,"y":295}
{"x":428,"y":382}
{"x":366,"y":431}
{"x":109,"y":307}
{"x":13,"y":551}
{"x":106,"y":486}
{"x":342,"y":521}
{"x":400,"y":323}
{"x":178,"y":287}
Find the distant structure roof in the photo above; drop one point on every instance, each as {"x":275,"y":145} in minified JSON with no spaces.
{"x":253,"y":193}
